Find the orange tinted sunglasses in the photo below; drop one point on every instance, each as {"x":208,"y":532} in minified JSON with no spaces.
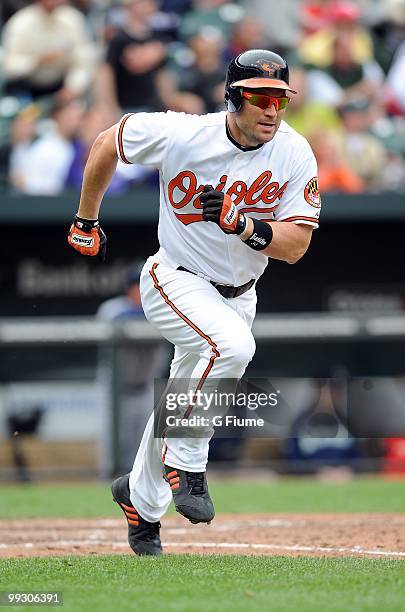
{"x":264,"y":101}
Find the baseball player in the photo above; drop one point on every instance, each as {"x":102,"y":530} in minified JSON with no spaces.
{"x":236,"y":188}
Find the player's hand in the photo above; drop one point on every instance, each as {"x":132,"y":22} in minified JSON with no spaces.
{"x":87,"y":237}
{"x":219,"y":208}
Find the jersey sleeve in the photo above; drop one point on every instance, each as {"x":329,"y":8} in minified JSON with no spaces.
{"x":301,"y":201}
{"x":142,"y":138}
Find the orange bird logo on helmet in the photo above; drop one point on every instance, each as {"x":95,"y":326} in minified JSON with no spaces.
{"x":270,"y":68}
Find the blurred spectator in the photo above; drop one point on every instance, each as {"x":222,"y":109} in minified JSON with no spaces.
{"x":163,"y":23}
{"x":205,"y":78}
{"x":388,"y":32}
{"x":25,"y":421}
{"x":207,"y":16}
{"x":23,"y":131}
{"x":366,"y":139}
{"x":345,"y":79}
{"x":48,"y":159}
{"x":342,"y":20}
{"x":246,"y":34}
{"x":96,"y":119}
{"x":357,"y":80}
{"x":135,"y":58}
{"x":395,"y":83}
{"x":334,"y":173}
{"x":319,"y":436}
{"x":314,"y":15}
{"x":280,"y":21}
{"x":364,"y":153}
{"x":318,"y":14}
{"x":351,"y":89}
{"x":134,"y":77}
{"x":47,"y":51}
{"x":309,"y":116}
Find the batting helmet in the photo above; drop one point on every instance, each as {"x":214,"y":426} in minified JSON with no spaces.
{"x":255,"y":68}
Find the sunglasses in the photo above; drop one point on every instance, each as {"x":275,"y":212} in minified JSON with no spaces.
{"x":264,"y":101}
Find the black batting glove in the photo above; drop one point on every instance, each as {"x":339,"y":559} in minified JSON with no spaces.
{"x":219,"y":208}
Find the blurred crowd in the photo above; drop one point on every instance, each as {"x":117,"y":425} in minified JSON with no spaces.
{"x":70,"y":69}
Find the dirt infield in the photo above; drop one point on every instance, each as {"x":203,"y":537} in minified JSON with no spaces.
{"x":366,"y":535}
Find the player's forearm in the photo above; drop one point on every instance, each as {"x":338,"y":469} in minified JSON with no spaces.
{"x":98,"y":173}
{"x":289,"y":242}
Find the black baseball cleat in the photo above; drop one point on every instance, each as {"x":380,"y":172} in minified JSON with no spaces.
{"x":190,"y":494}
{"x":143,"y":537}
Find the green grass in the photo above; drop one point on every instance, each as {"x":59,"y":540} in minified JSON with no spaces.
{"x":212,"y":583}
{"x":193,"y":583}
{"x":285,"y":495}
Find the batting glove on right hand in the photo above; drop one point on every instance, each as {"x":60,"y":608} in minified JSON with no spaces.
{"x":87,"y":237}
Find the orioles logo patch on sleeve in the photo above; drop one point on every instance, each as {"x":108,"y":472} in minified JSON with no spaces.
{"x":312,"y":194}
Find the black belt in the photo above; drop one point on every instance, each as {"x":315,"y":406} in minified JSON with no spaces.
{"x":227,"y":291}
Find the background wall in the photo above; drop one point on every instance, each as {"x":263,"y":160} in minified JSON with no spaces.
{"x":355,"y":262}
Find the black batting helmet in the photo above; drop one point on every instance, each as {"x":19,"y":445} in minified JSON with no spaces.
{"x":255,"y":68}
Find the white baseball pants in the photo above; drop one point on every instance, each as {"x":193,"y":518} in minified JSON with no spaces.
{"x":212,"y":339}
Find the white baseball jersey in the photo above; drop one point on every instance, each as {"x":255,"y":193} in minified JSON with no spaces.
{"x":276,"y":181}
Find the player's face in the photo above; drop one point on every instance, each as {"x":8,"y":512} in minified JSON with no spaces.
{"x":254,"y":125}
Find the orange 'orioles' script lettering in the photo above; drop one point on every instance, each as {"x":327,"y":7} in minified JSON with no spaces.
{"x":184,"y":189}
